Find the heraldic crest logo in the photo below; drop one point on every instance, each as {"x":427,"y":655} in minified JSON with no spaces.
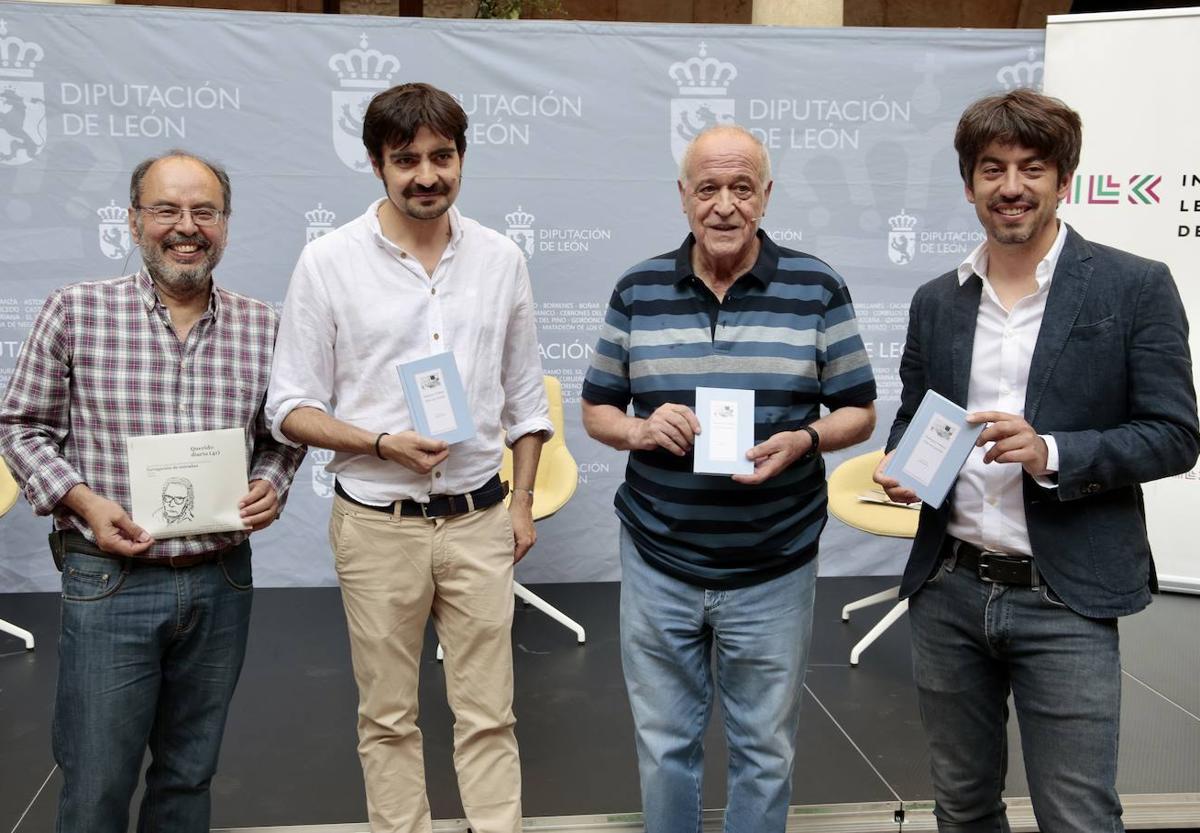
{"x":22,"y":100}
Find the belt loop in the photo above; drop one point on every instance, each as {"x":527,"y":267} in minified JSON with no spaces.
{"x":470,"y":501}
{"x":1035,"y":577}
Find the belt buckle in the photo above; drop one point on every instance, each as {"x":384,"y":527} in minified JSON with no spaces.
{"x":425,"y":511}
{"x":1006,"y":566}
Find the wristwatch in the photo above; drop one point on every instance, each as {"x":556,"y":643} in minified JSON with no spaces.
{"x":816,"y":442}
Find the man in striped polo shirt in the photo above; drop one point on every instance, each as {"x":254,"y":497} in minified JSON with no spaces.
{"x":713,"y":563}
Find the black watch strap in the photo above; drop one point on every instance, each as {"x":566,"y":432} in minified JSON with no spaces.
{"x":816,"y":442}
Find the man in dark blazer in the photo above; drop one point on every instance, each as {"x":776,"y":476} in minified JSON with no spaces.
{"x":1076,"y":356}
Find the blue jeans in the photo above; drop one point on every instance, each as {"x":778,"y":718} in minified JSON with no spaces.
{"x":973,"y":642}
{"x":147,"y":655}
{"x":760,"y":635}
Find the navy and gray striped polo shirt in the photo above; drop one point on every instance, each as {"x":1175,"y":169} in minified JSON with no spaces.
{"x":786,"y":329}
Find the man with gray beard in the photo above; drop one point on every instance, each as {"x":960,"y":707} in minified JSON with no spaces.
{"x":153,"y":632}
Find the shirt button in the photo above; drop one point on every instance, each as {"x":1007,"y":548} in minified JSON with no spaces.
{"x":437,"y":474}
{"x":403,"y":255}
{"x":436,"y":336}
{"x":433,"y":291}
{"x":182,"y":409}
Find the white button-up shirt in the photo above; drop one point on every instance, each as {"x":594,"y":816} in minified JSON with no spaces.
{"x":359,"y":305}
{"x":989,"y":506}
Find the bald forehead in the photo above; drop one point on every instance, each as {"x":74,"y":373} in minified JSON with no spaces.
{"x":182,"y":172}
{"x":725,"y":149}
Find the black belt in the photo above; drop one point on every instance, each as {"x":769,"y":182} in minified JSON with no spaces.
{"x":63,"y":541}
{"x":997,"y":567}
{"x":439,"y":506}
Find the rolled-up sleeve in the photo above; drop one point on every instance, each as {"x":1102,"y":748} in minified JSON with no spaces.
{"x":302,"y":370}
{"x":525,"y":407}
{"x":36,"y":410}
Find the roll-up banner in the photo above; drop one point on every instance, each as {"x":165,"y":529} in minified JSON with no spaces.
{"x":1132,"y":77}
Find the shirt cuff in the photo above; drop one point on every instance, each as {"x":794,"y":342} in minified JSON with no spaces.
{"x":47,"y":487}
{"x":1049,"y":480}
{"x":529,"y":426}
{"x":285,"y":408}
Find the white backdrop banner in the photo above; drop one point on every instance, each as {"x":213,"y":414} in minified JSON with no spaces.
{"x":1138,"y":188}
{"x":576,"y":131}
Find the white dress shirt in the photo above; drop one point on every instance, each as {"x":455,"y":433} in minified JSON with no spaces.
{"x":359,"y":305}
{"x":989,"y":505}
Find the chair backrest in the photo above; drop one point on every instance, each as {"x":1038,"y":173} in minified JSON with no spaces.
{"x":9,"y":490}
{"x":557,"y":474}
{"x":851,"y":479}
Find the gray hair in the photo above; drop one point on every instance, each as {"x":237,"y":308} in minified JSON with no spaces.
{"x":139,"y":175}
{"x":764,"y":165}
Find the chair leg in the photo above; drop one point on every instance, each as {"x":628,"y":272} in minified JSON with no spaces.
{"x":874,"y":599}
{"x":882,"y":625}
{"x":19,"y":633}
{"x":550,"y":610}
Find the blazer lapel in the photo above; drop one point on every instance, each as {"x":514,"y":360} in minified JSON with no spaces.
{"x":966,"y":311}
{"x":1067,"y":292}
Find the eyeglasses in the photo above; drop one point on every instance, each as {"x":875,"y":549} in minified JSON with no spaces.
{"x":174,"y":500}
{"x":169,"y":215}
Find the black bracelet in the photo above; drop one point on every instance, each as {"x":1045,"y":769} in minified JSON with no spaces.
{"x":816,"y":442}
{"x":377,"y":439}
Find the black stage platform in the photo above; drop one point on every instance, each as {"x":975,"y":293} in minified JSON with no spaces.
{"x":289,"y":752}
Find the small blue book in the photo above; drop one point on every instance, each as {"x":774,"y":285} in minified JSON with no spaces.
{"x":437,"y":399}
{"x":934,"y":448}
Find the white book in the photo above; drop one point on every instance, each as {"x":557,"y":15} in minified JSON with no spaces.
{"x":188,"y":484}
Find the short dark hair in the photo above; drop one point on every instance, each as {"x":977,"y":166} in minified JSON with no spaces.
{"x":394,"y":116}
{"x":139,"y":175}
{"x":1021,"y":117}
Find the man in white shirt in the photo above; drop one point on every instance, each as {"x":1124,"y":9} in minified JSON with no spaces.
{"x":1076,"y":356}
{"x":419,"y":528}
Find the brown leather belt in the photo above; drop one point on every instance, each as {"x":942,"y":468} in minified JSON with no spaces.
{"x":439,"y":506}
{"x":997,"y":567}
{"x":63,"y":541}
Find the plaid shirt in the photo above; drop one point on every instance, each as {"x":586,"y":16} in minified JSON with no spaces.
{"x":103,"y":363}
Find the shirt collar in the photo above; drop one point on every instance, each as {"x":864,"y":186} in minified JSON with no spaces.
{"x":149,"y":293}
{"x":372,"y":218}
{"x":977,"y":261}
{"x":764,"y":268}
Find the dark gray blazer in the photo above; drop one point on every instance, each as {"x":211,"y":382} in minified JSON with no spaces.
{"x":1110,"y":380}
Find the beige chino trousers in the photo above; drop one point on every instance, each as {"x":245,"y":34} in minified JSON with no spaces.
{"x":395,"y":573}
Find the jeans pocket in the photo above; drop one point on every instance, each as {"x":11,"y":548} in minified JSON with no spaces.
{"x":236,"y":569}
{"x":942,"y":568}
{"x":1051,"y":598}
{"x":89,"y":578}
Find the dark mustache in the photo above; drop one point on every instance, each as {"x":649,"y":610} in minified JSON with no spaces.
{"x":195,"y":239}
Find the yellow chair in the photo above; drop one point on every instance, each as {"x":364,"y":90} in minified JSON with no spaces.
{"x":849,"y":480}
{"x":555,"y":483}
{"x":9,"y":491}
{"x":557,"y":474}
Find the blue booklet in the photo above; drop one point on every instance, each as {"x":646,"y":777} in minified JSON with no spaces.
{"x":437,"y":399}
{"x":934,"y":447}
{"x":726,"y":431}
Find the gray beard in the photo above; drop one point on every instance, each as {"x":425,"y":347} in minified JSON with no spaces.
{"x":180,"y":281}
